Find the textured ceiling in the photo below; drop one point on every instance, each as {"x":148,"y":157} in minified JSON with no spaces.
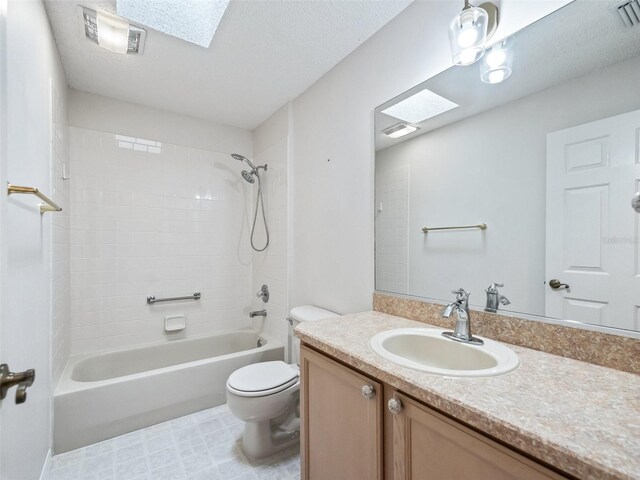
{"x":264,"y":54}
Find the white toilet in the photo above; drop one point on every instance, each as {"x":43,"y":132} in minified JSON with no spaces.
{"x":266,"y":396}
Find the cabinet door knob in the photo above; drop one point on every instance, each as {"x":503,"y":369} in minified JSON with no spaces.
{"x":368,"y":392}
{"x":395,"y":406}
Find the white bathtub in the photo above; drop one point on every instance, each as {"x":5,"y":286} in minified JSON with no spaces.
{"x":100,"y":396}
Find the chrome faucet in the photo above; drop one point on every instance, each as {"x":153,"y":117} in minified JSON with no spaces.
{"x":258,"y":313}
{"x":462,"y":331}
{"x":494,"y":299}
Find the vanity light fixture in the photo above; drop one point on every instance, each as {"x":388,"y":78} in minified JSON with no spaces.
{"x":399,"y":130}
{"x":497,"y":62}
{"x":470,"y":30}
{"x":112,"y":33}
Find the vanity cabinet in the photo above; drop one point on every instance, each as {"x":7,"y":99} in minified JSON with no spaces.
{"x":350,"y":432}
{"x":427,"y":445}
{"x":342,"y":412}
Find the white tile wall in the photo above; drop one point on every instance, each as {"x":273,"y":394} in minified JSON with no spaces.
{"x":270,"y":266}
{"x":271,"y":144}
{"x":154,"y":223}
{"x":61,"y":237}
{"x":392,"y":223}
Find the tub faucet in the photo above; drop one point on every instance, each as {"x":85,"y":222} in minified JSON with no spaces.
{"x":258,"y":313}
{"x":462,"y":331}
{"x":494,"y":299}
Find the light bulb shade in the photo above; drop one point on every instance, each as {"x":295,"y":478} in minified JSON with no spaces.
{"x":113,"y":33}
{"x":468,"y":34}
{"x":496,"y":66}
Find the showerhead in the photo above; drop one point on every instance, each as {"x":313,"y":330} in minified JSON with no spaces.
{"x":248,"y":176}
{"x":242,"y":158}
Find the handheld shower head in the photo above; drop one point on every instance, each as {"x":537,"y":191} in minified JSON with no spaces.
{"x":242,"y":158}
{"x":248,"y":176}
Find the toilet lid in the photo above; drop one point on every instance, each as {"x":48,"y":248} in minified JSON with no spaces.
{"x":263,"y":377}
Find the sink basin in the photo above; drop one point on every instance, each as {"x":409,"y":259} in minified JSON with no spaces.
{"x":425,"y":349}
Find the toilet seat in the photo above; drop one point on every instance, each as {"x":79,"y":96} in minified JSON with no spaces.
{"x":262,"y":379}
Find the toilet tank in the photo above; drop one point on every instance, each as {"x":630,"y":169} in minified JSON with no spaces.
{"x":307,"y":313}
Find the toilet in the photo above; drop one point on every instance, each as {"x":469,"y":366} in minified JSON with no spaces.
{"x":266,"y":396}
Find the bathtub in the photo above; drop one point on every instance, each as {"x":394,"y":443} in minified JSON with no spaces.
{"x":103,"y":395}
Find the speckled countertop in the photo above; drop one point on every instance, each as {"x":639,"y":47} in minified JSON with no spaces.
{"x":584,"y":419}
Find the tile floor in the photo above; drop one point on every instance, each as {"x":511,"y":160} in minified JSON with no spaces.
{"x":201,"y":446}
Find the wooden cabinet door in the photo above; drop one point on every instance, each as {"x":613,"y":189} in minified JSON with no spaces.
{"x":341,"y":431}
{"x":430,"y":446}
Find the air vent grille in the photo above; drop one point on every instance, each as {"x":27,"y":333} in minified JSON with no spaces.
{"x":630,"y":13}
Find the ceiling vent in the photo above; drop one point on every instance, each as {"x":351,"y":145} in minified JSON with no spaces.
{"x":399,"y":130}
{"x":630,"y":13}
{"x":135,"y":44}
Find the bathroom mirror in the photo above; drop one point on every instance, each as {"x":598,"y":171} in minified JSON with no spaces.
{"x":548,"y":161}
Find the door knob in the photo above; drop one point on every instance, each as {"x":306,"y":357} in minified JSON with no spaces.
{"x":395,"y":406}
{"x":635,"y":202}
{"x":557,"y":284}
{"x":9,"y":379}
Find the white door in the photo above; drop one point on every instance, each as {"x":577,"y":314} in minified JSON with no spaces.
{"x":3,"y":197}
{"x":593,"y":171}
{"x":25,"y":240}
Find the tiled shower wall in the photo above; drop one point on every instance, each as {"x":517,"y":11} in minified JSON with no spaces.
{"x":392,"y":224}
{"x":270,"y":266}
{"x":152,"y":218}
{"x":61,"y":235}
{"x":271,"y":146}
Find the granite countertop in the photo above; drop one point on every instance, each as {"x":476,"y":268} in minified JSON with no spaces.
{"x":583,"y":419}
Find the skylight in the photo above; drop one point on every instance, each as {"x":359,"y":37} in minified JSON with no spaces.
{"x":420,"y":106}
{"x":194,"y":22}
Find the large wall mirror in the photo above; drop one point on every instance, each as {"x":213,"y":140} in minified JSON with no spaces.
{"x":543,"y":167}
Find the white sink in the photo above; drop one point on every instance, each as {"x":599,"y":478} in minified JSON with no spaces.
{"x":425,"y":349}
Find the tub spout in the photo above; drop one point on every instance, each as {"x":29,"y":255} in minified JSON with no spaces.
{"x":258,"y":313}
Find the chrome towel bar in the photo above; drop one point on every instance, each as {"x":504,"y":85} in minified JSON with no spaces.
{"x":481,"y":226}
{"x":152,"y":299}
{"x":48,"y":205}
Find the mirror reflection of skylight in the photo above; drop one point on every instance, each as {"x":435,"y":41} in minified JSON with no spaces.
{"x":195,"y":22}
{"x":420,"y":106}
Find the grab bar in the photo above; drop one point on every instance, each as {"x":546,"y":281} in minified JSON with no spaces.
{"x":48,"y":205}
{"x":152,"y":299}
{"x":481,"y":226}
